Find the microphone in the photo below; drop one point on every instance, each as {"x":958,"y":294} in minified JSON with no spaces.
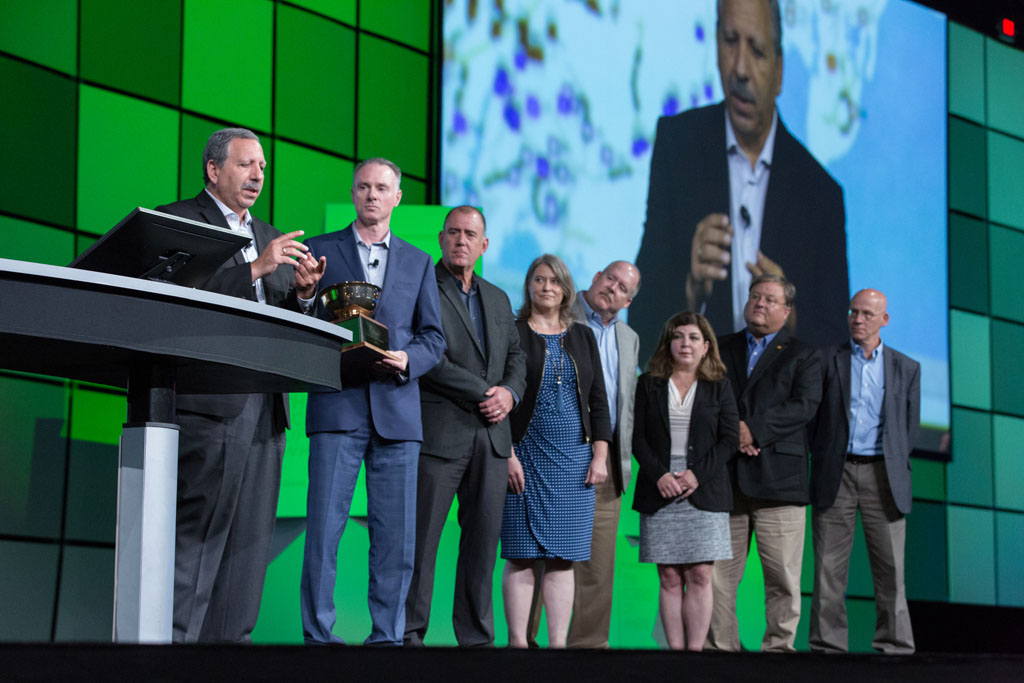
{"x":745,"y":215}
{"x":374,"y":263}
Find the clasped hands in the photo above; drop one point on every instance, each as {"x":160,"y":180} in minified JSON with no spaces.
{"x":677,"y":484}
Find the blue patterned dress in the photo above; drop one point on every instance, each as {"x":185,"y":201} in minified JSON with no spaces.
{"x":554,"y":516}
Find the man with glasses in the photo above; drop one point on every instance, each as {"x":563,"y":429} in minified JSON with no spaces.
{"x":777,"y":382}
{"x":867,"y":425}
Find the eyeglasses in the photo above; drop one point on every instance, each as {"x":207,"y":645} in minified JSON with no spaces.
{"x":866,"y":315}
{"x":769,"y":301}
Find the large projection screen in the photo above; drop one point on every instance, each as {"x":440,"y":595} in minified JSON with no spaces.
{"x":550,"y":109}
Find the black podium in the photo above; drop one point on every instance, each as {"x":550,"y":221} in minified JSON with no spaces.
{"x":154,"y":339}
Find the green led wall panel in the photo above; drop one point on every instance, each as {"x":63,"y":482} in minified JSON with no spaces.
{"x":1010,"y":559}
{"x":970,"y":471}
{"x":929,"y":479}
{"x":1005,"y":180}
{"x":291,"y":501}
{"x":127,"y":157}
{"x":925,"y":554}
{"x":227,"y":55}
{"x":969,"y":360}
{"x":1008,"y":461}
{"x":37,"y":174}
{"x":133,"y":46}
{"x":342,"y":10}
{"x":195,"y":132}
{"x":33,"y":416}
{"x":28,"y":583}
{"x":305,"y":181}
{"x":86,"y":609}
{"x":37,"y":243}
{"x":96,"y":420}
{"x":414,"y":191}
{"x":968,"y":263}
{"x":966,"y":73}
{"x":1004,"y":96}
{"x":392,"y":83}
{"x":407,"y":21}
{"x":972,"y":570}
{"x":967,"y":167}
{"x":312,"y":52}
{"x":42,"y":31}
{"x":1006,"y":256}
{"x":1008,"y":371}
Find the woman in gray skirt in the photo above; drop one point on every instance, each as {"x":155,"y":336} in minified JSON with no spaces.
{"x":686,"y":431}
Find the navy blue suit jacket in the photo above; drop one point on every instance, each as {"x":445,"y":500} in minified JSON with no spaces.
{"x":409,"y":306}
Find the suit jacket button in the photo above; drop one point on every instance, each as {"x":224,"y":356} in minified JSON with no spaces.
{"x":483,"y":373}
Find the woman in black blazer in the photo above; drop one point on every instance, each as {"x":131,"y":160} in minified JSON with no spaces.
{"x":686,"y":428}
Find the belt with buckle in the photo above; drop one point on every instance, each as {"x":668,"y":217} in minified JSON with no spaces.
{"x":863,"y":459}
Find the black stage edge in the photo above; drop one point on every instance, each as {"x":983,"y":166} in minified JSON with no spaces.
{"x":195,"y":664}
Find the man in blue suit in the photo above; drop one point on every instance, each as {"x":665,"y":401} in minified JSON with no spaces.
{"x":375,"y":418}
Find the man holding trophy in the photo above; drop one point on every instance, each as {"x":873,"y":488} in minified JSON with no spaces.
{"x":375,"y":418}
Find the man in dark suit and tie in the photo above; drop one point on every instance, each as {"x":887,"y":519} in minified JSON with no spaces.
{"x":375,"y":418}
{"x":867,"y":425}
{"x":733,"y":194}
{"x":466,"y":400}
{"x":777,"y":382}
{"x":230,"y":445}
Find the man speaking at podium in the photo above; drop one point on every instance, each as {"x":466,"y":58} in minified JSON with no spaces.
{"x":230,"y":445}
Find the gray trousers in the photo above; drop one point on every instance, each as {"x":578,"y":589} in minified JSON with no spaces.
{"x":864,"y":487}
{"x":229,"y":476}
{"x":480,"y":479}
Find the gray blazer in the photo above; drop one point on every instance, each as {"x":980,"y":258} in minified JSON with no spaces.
{"x":901,"y":422}
{"x":629,"y":351}
{"x":450,"y":392}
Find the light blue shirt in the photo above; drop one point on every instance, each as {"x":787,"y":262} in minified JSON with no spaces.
{"x":747,"y":190}
{"x":755,"y":349}
{"x":374,"y":258}
{"x":608,"y":347}
{"x":867,"y":391}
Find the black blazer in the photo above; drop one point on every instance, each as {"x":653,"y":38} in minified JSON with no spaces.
{"x":901,"y":422}
{"x":777,"y":402}
{"x":234,"y":278}
{"x":803,"y":230}
{"x":714,"y":439}
{"x":581,"y":346}
{"x":449,"y":393}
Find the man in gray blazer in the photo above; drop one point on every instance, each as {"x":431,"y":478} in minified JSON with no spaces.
{"x":465,"y":400}
{"x":866,"y":427}
{"x":611,"y":291}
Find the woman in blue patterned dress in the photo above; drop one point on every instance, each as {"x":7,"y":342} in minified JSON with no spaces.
{"x":560,"y":434}
{"x":685,"y":431}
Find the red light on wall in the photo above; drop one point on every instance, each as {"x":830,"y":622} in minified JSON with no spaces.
{"x":1008,"y":28}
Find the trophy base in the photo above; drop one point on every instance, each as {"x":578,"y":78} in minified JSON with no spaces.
{"x":359,"y":357}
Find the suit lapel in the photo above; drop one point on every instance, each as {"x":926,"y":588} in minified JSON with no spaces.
{"x":449,"y":287}
{"x":842,"y":360}
{"x":210,"y":212}
{"x":661,"y":391}
{"x":394,"y":257}
{"x":771,"y":352}
{"x":889,"y":390}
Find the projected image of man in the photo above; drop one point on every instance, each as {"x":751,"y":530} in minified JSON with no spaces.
{"x":733,"y":194}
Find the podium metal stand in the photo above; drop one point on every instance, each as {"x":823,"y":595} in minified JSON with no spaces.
{"x":154,"y":339}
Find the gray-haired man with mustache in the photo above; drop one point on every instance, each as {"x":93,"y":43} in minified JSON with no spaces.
{"x":733,"y":195}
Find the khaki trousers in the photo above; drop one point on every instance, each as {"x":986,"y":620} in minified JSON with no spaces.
{"x":779,"y":529}
{"x":864,"y":487}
